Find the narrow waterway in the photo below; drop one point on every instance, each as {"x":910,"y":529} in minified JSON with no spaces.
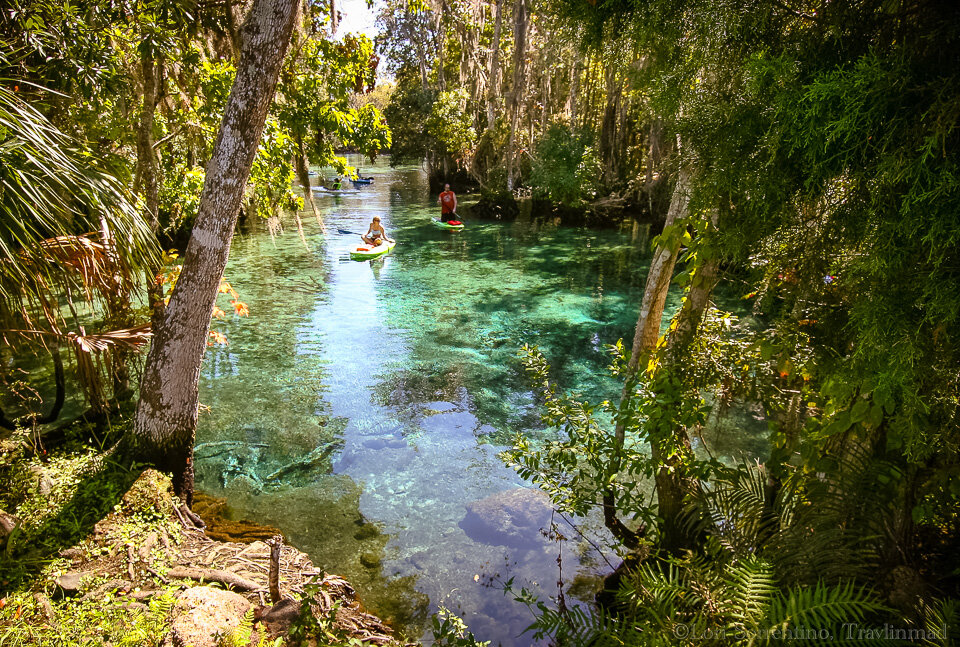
{"x":361,"y":406}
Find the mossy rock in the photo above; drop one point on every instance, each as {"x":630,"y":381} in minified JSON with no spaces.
{"x":151,"y":495}
{"x":370,"y":559}
{"x":366,"y":531}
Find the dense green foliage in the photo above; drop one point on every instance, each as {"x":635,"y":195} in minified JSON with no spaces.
{"x":565,"y":167}
{"x":824,"y":147}
{"x":818,"y":142}
{"x":102,"y":105}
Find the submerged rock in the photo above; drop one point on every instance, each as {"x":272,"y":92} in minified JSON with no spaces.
{"x":366,"y":531}
{"x":511,"y":518}
{"x":370,"y":559}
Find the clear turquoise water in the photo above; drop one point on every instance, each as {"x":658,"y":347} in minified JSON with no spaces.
{"x":403,"y":371}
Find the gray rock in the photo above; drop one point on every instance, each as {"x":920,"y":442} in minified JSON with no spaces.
{"x":202,"y":612}
{"x":7,"y":524}
{"x":44,"y":482}
{"x":68,"y":584}
{"x":510,"y":518}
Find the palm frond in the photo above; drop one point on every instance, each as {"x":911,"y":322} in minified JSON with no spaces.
{"x":50,"y":189}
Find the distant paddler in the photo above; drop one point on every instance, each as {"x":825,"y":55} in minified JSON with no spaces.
{"x":448,"y":204}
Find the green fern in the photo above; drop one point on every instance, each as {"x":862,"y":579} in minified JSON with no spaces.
{"x":241,"y":635}
{"x":149,"y":627}
{"x":751,"y":588}
{"x":823,"y":607}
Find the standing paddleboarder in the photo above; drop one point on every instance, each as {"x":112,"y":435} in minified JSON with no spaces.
{"x":448,"y":204}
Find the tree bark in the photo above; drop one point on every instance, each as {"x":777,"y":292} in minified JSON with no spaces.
{"x":521,"y":21}
{"x":645,"y":339}
{"x":146,"y":155}
{"x":303,"y":173}
{"x":493,"y":87}
{"x":671,"y":479}
{"x":658,"y":278}
{"x":166,"y":418}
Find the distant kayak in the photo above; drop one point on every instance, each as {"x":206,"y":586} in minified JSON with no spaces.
{"x":362,"y":181}
{"x":452,"y":224}
{"x":365,"y":252}
{"x":323,"y":189}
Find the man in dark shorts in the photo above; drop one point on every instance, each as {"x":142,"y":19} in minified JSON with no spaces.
{"x":448,"y":204}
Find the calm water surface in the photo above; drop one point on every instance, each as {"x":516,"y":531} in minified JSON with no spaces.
{"x":361,"y":406}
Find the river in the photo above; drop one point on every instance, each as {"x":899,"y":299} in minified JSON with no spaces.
{"x":396,"y":382}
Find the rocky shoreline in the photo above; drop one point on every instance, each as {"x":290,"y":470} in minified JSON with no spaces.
{"x":144,"y":559}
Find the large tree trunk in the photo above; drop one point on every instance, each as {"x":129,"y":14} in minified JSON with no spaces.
{"x":146,"y":156}
{"x":645,"y":340}
{"x":658,"y":278}
{"x":493,"y":87}
{"x":166,"y":418}
{"x":521,"y":21}
{"x":672,"y":480}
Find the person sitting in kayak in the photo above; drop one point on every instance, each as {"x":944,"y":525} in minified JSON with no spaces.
{"x":336,"y":184}
{"x":375,"y":234}
{"x":448,"y":204}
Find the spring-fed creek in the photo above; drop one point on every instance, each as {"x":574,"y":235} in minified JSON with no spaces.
{"x":361,"y":406}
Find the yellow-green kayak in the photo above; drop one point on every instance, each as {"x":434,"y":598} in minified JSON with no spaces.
{"x":366,"y":252}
